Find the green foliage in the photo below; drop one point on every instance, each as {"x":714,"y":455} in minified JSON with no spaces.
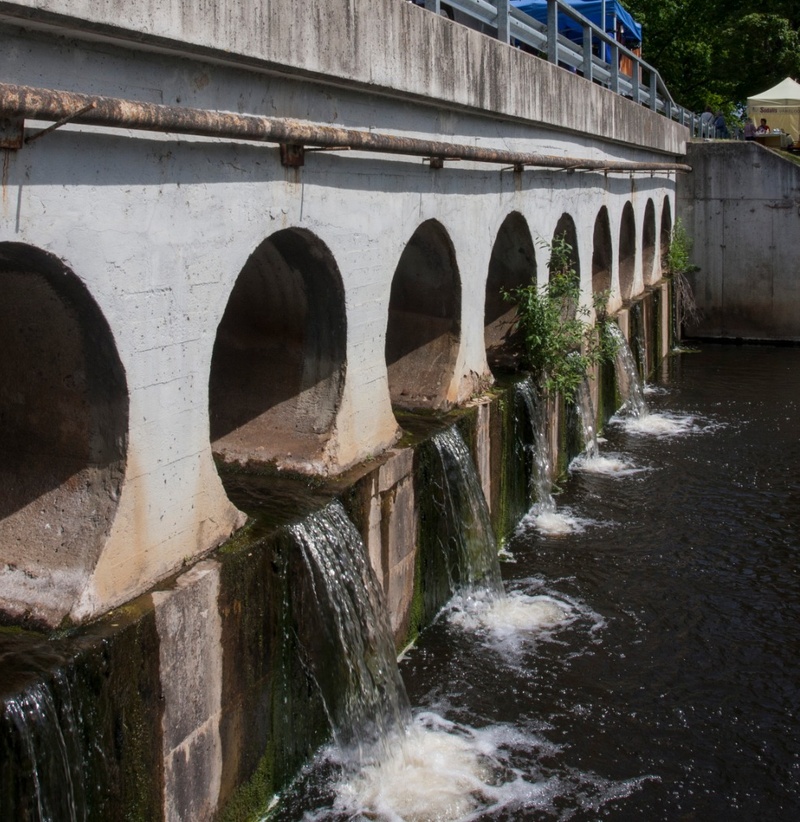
{"x":678,"y":267}
{"x":680,"y":250}
{"x":717,"y":53}
{"x":560,"y":346}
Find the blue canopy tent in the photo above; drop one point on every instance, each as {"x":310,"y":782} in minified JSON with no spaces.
{"x":616,"y":15}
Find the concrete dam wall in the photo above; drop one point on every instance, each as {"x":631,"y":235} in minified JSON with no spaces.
{"x":191,"y":319}
{"x":195,"y":701}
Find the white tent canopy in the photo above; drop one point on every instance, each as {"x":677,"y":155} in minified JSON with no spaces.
{"x":779,"y":106}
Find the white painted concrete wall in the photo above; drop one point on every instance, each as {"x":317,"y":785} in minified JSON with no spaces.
{"x":158,"y":228}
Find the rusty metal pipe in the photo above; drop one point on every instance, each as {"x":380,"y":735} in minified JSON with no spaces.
{"x":67,"y":106}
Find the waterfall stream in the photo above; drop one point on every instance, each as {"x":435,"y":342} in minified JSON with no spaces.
{"x":541,"y":491}
{"x":468,"y":540}
{"x":628,"y":380}
{"x":39,"y":729}
{"x":366,"y":702}
{"x":587,"y":417}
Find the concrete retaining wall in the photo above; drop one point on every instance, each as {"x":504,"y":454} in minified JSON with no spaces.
{"x":741,"y":208}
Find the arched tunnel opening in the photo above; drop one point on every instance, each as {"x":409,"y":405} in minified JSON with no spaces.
{"x":564,"y":258}
{"x":63,"y":426}
{"x":627,"y":252}
{"x":422,"y":334}
{"x":567,"y":233}
{"x":278,"y":365}
{"x":649,"y":273}
{"x":601,"y":253}
{"x":512,"y":264}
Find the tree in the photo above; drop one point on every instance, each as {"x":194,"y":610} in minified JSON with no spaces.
{"x":719,"y":52}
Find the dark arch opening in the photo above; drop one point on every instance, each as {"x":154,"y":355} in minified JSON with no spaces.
{"x":564,"y":252}
{"x":277,"y":369}
{"x":666,"y":232}
{"x":627,"y":252}
{"x":512,"y":264}
{"x":422,"y":334}
{"x":566,"y":231}
{"x":601,"y":253}
{"x":63,"y":425}
{"x":649,"y":244}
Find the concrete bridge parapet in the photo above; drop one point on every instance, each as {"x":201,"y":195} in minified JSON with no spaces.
{"x":172,"y":298}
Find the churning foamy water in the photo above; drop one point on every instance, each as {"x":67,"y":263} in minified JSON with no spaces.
{"x":659,"y":425}
{"x":555,"y":522}
{"x":442,"y":771}
{"x":611,"y":465}
{"x":507,"y":621}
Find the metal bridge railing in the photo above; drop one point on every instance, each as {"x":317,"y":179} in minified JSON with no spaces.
{"x":510,"y":25}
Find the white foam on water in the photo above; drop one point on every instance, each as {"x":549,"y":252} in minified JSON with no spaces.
{"x":611,"y":465}
{"x":512,"y":619}
{"x":529,"y":613}
{"x":555,"y":523}
{"x":504,"y":555}
{"x":441,"y":771}
{"x":650,"y":389}
{"x":438,"y":771}
{"x":660,"y":425}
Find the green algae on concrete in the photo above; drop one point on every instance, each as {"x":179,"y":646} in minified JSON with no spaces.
{"x":273,"y":719}
{"x":102,"y":684}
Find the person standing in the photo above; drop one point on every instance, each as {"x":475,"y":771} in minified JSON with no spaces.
{"x":706,"y":120}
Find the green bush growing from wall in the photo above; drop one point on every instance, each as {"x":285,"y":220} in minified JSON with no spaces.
{"x":560,"y":346}
{"x":680,"y":268}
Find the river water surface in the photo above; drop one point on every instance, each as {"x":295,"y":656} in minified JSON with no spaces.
{"x":645,"y":665}
{"x":672,"y":691}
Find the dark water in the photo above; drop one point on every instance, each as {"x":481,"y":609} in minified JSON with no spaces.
{"x":673,"y":690}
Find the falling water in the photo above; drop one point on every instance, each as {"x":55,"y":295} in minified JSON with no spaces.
{"x":630,"y":385}
{"x":592,"y":461}
{"x":365,"y":700}
{"x":39,"y":741}
{"x":636,"y":415}
{"x":587,"y":418}
{"x":387,"y":764}
{"x":469,"y":543}
{"x":542,"y":463}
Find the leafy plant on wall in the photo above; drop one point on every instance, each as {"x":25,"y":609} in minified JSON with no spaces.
{"x":560,"y":344}
{"x":679,"y":266}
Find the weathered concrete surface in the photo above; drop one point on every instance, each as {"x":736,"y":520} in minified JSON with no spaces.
{"x":63,"y":430}
{"x":190,"y":657}
{"x":201,"y":684}
{"x":390,"y":521}
{"x":741,"y":207}
{"x":380,"y":45}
